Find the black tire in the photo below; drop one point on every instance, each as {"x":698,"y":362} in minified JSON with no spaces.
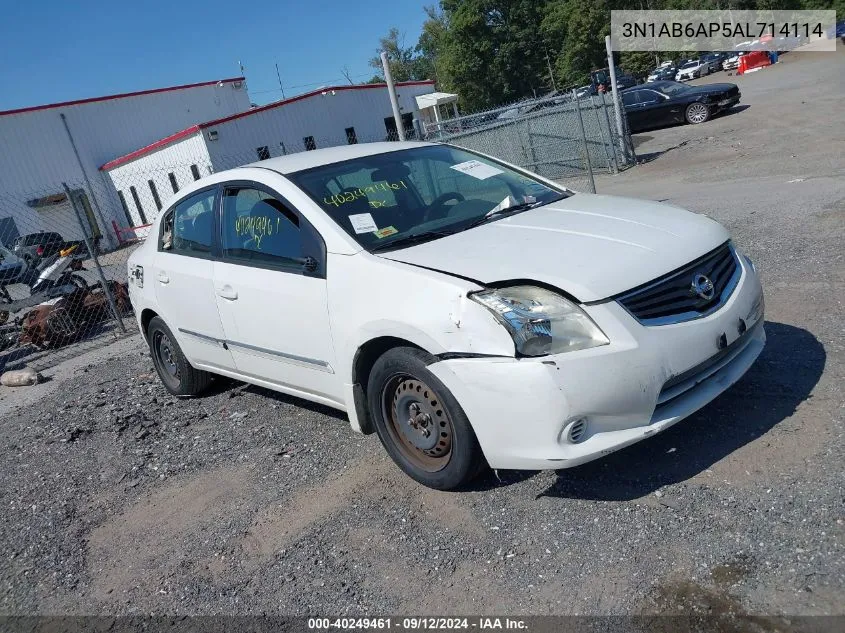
{"x":174,"y":370}
{"x":697,"y":113}
{"x":445,"y":458}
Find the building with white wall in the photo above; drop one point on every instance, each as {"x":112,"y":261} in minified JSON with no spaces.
{"x":336,"y":115}
{"x":45,"y":146}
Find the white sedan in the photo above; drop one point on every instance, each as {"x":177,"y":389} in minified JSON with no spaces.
{"x":469,"y":312}
{"x":692,"y":70}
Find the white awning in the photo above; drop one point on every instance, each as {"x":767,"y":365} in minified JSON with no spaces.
{"x":435,"y":99}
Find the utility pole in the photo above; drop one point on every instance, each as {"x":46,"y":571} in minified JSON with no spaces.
{"x":551,"y":74}
{"x":281,"y":87}
{"x":394,"y":102}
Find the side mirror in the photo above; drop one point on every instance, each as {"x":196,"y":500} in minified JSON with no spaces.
{"x":309,"y":264}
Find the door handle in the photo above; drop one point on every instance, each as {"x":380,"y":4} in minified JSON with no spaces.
{"x":227,"y":292}
{"x":163,"y":278}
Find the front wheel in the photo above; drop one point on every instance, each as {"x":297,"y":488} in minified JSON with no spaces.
{"x":419,"y":422}
{"x":697,"y":113}
{"x":176,"y":373}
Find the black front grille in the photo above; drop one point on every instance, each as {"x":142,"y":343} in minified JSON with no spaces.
{"x":674,"y":297}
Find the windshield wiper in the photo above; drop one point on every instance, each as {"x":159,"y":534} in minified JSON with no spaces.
{"x":407,"y":240}
{"x":492,"y":213}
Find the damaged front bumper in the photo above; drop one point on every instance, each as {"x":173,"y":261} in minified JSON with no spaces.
{"x":563,"y":410}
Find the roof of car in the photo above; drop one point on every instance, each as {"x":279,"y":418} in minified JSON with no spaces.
{"x":318,"y":157}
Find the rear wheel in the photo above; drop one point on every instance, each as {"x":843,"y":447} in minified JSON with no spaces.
{"x":176,"y":373}
{"x":419,"y":422}
{"x":697,"y":113}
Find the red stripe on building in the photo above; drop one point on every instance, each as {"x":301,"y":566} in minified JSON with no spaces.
{"x":308,"y":95}
{"x":194,"y":128}
{"x":119,"y":96}
{"x":144,"y":150}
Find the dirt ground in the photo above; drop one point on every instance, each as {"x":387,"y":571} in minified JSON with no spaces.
{"x":118,"y":499}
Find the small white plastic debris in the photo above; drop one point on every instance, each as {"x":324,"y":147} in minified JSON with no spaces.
{"x":25,"y":377}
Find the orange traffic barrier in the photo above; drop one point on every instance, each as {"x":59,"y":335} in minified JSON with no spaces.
{"x":755,"y":59}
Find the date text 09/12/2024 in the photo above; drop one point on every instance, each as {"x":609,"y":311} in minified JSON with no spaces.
{"x":417,"y":623}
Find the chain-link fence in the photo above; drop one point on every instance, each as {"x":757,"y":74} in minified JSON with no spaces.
{"x":64,"y":246}
{"x":60,"y":292}
{"x":566,"y":137}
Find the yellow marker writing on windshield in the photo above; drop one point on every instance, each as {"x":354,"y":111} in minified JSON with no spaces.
{"x":349,"y":196}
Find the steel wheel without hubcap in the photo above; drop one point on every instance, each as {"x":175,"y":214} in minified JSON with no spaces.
{"x":418,"y":422}
{"x":165,"y":357}
{"x":698,"y":113}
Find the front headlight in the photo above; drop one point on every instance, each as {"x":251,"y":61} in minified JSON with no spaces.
{"x":541,"y":321}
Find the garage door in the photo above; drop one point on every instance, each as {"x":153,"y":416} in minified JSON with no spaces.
{"x":61,"y":219}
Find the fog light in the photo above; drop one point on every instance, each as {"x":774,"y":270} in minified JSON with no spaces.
{"x":575,"y":431}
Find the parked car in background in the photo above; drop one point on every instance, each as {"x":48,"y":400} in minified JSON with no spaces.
{"x":732,"y":62}
{"x":12,"y":270}
{"x":692,"y":70}
{"x":601,"y":77}
{"x":35,"y":246}
{"x":467,"y":311}
{"x":669,"y":102}
{"x":663,"y":73}
{"x":585,"y":91}
{"x":714,"y":62}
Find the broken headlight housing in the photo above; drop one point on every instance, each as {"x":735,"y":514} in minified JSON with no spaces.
{"x":540,"y":321}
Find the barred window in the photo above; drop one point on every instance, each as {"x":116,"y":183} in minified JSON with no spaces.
{"x":126,"y":213}
{"x":153,"y":191}
{"x":138,"y":206}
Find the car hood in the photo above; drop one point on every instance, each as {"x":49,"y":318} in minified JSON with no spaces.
{"x":591,"y":246}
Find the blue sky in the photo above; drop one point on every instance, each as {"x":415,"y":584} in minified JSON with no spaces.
{"x":55,"y":50}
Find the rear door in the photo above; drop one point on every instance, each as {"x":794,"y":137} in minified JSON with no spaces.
{"x":182,"y":276}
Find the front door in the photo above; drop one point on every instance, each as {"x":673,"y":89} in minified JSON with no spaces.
{"x":182,"y":275}
{"x":633,"y":110}
{"x":271,"y":293}
{"x":657,"y":109}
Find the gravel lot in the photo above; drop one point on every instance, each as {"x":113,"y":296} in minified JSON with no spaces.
{"x":120,"y":499}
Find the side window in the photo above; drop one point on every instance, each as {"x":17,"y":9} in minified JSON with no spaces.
{"x":258,"y":228}
{"x":649,"y":96}
{"x":187,"y":228}
{"x":630,"y":97}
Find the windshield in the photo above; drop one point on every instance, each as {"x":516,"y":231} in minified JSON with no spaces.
{"x":671,"y":88}
{"x":689,"y":65}
{"x":435,"y":190}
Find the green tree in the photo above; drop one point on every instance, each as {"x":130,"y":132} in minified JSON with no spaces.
{"x":583,"y":44}
{"x":491,"y":50}
{"x":431,"y":45}
{"x":400,"y":58}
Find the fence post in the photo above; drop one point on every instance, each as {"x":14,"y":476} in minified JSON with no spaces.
{"x":93,"y":255}
{"x":612,"y":168}
{"x":613,"y":146}
{"x":617,"y":107}
{"x":586,"y":145}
